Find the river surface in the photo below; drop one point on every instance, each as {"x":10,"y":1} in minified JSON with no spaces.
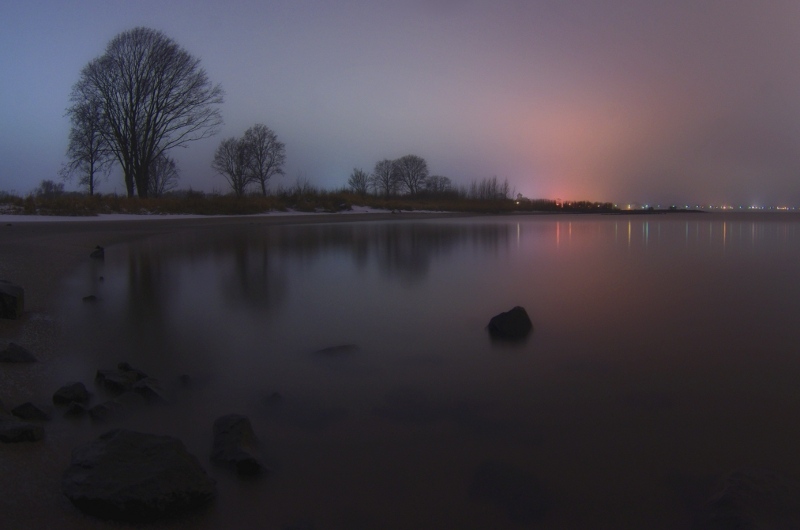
{"x":664,"y":355}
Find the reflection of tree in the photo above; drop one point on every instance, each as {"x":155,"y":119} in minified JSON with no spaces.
{"x":250,"y":280}
{"x":148,"y":292}
{"x":402,"y":250}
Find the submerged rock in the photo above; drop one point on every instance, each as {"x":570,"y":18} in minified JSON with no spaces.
{"x":12,"y":300}
{"x":14,"y":353}
{"x":13,"y":430}
{"x":752,"y":498}
{"x":341,"y":349}
{"x":71,"y":393}
{"x":513,"y":325}
{"x":515,"y":490}
{"x":137,"y":477}
{"x":116,"y":409}
{"x":29,"y":411}
{"x":236,"y":444}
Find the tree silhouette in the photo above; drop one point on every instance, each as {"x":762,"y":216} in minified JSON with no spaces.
{"x":164,"y":176}
{"x":232,"y":161}
{"x":412,"y":171}
{"x":152,"y":96}
{"x":267,"y":154}
{"x":88,"y":151}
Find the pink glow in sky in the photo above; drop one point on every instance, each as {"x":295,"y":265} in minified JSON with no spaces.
{"x":621,"y":100}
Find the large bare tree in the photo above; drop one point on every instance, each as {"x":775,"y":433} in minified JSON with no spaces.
{"x":153,"y":96}
{"x":232,"y":161}
{"x":267,"y":154}
{"x":412,"y":171}
{"x":88,"y":152}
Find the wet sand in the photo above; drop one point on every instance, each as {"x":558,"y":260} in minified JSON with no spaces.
{"x":39,"y":256}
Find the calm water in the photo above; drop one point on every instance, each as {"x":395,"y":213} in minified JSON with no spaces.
{"x":665,"y":353}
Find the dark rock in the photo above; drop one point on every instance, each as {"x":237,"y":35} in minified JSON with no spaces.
{"x":116,"y":381}
{"x":126,"y":367}
{"x":29,"y":411}
{"x":518,"y":492}
{"x":513,"y":325}
{"x":342,"y":349}
{"x":98,"y":253}
{"x":14,"y":353}
{"x":75,"y":410}
{"x":236,"y":444}
{"x":137,"y":477}
{"x":12,"y":300}
{"x":752,"y":498}
{"x":13,"y":430}
{"x":72,"y":393}
{"x":150,"y":390}
{"x":116,"y":409}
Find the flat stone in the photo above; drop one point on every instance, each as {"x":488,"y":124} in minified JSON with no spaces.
{"x":73,"y":392}
{"x":236,"y":444}
{"x":13,"y":430}
{"x":29,"y":411}
{"x":137,"y":477}
{"x":14,"y":353}
{"x":117,"y":409}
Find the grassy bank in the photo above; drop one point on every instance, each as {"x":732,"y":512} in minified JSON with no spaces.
{"x":305,"y":200}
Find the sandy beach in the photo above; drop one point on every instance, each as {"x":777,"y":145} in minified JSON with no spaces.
{"x":38,"y":255}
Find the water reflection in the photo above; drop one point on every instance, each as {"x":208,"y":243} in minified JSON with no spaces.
{"x":664,"y":346}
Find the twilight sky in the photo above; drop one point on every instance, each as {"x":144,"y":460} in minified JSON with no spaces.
{"x":680,"y":101}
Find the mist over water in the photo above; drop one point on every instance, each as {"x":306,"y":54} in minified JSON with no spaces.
{"x":664,"y":354}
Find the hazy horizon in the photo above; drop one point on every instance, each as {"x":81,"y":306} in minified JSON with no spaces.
{"x":621,"y":101}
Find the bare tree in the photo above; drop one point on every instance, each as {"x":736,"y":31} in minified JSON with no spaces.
{"x":88,"y":152}
{"x":359,"y":181}
{"x":48,"y":189}
{"x":153,"y":96}
{"x":438,"y":184}
{"x":232,"y":161}
{"x":267,"y":154}
{"x":384,"y":178}
{"x":412,"y":171}
{"x":164,"y":176}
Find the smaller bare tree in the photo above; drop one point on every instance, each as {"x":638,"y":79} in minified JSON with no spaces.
{"x":88,"y":152}
{"x":359,"y":181}
{"x":232,"y":161}
{"x":267,"y":154}
{"x":412,"y":171}
{"x":438,"y":184}
{"x":164,"y":176}
{"x":385,"y":178}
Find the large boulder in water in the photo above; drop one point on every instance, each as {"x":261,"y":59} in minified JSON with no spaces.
{"x":236,"y":444}
{"x":513,"y":325}
{"x":132,"y":476}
